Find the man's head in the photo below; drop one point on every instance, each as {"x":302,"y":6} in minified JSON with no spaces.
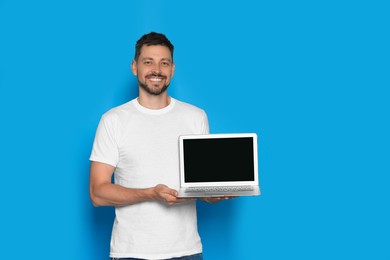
{"x":153,"y":63}
{"x":152,"y":38}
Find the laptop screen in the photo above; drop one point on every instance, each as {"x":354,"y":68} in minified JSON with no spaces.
{"x":226,"y":159}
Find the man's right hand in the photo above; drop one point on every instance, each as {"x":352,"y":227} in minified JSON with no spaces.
{"x":167,"y":195}
{"x":105,"y":193}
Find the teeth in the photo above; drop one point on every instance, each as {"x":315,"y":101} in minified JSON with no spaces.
{"x":155,"y":79}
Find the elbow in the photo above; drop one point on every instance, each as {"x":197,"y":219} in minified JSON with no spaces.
{"x":95,"y":194}
{"x":95,"y":204}
{"x":95,"y":200}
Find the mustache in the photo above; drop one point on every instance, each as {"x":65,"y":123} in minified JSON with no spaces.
{"x":153,"y":74}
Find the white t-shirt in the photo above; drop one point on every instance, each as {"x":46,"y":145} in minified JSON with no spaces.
{"x":142,"y":145}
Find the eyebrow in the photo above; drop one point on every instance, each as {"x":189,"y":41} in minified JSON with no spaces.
{"x":163,"y":59}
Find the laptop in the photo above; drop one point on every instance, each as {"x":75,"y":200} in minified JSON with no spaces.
{"x":218,"y":165}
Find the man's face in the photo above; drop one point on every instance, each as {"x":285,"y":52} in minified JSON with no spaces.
{"x":154,"y":68}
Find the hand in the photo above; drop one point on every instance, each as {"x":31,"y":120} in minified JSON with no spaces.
{"x":213,"y":200}
{"x":167,"y":195}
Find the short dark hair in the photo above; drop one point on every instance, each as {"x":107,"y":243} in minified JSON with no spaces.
{"x":152,"y":38}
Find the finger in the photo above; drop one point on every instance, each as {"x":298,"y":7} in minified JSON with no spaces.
{"x":170,"y":191}
{"x":163,"y":191}
{"x":173,"y":193}
{"x":214,"y":200}
{"x":169,"y":196}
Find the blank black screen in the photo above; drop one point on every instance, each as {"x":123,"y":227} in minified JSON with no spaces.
{"x":218,"y":159}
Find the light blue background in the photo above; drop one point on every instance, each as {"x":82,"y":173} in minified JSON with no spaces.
{"x":310,"y":77}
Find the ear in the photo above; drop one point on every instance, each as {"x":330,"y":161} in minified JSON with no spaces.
{"x":173,"y":70}
{"x":134,"y":67}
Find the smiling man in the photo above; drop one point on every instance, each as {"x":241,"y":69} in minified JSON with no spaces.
{"x":138,"y":143}
{"x":153,"y":65}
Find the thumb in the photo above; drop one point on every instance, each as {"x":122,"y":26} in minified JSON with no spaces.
{"x":173,"y":192}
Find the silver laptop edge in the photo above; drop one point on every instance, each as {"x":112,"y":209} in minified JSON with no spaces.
{"x":255,"y":183}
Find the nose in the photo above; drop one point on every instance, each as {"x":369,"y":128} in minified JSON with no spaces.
{"x":157,"y":69}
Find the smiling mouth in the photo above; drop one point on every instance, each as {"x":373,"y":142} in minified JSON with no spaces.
{"x":156,"y":78}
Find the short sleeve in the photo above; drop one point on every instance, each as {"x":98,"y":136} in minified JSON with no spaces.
{"x":105,"y":148}
{"x":205,"y":123}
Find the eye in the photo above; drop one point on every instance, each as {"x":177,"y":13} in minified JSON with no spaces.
{"x":165,"y":63}
{"x":147,"y":62}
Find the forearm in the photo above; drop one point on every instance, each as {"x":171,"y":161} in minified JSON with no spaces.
{"x":108,"y":194}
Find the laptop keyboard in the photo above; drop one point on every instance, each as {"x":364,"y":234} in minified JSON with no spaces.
{"x":219,"y":189}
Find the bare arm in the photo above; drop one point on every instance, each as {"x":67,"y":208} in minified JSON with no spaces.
{"x":105,"y":193}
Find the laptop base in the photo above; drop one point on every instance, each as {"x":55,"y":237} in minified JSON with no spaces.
{"x":183,"y":193}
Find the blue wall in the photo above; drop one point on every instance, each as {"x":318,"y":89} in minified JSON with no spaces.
{"x":310,"y":77}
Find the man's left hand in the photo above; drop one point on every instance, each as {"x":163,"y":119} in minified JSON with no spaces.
{"x":213,"y":200}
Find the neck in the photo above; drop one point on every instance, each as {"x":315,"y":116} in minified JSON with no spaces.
{"x":154,"y":102}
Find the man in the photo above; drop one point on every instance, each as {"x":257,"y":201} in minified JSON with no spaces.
{"x":139,"y":142}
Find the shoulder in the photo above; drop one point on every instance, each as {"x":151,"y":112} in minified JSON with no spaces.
{"x":193,"y":116}
{"x":118,"y":116}
{"x":189,"y":108}
{"x":119,"y":112}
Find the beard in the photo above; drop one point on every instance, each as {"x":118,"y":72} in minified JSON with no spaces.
{"x":151,"y":90}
